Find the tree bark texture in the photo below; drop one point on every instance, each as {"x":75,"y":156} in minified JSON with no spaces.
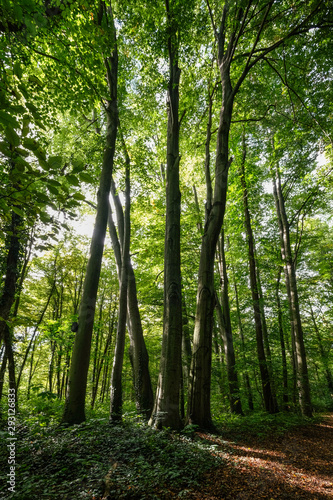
{"x":167,"y":400}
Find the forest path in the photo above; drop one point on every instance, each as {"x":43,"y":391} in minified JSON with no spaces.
{"x":298,"y":464}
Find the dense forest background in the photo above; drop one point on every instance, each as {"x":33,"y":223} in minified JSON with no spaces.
{"x":198,"y":137}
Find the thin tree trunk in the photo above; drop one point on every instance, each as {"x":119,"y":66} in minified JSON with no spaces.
{"x":3,"y":371}
{"x":95,"y":363}
{"x":285,"y":396}
{"x":74,"y":411}
{"x":323,"y":355}
{"x":241,"y":333}
{"x":138,"y":352}
{"x":303,"y":384}
{"x":223,"y":312}
{"x":269,"y":397}
{"x":166,"y":407}
{"x":116,"y":394}
{"x":33,"y":336}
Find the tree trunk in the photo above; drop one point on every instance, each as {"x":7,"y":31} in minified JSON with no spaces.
{"x":116,"y":376}
{"x":138,"y":352}
{"x":269,"y":397}
{"x":323,"y":355}
{"x":12,"y":272}
{"x":285,"y":396}
{"x":303,"y":384}
{"x":166,"y":407}
{"x":75,"y":403}
{"x":199,"y":396}
{"x":223,"y":312}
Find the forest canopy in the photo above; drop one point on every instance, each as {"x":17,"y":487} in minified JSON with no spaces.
{"x":198,"y":136}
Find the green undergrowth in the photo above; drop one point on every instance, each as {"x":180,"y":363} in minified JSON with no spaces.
{"x":72,"y":463}
{"x":261,"y":424}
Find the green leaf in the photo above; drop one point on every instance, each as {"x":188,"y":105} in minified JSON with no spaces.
{"x":55,"y":161}
{"x":30,"y":144}
{"x":52,"y":189}
{"x":85,"y":177}
{"x":72,"y":179}
{"x":35,"y":79}
{"x":12,"y":136}
{"x":4,"y":149}
{"x":41,"y":197}
{"x":78,"y":196}
{"x":7,"y":120}
{"x":78,"y":165}
{"x":18,"y":211}
{"x":22,"y":152}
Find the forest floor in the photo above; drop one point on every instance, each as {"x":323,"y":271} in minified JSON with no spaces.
{"x":297,"y":464}
{"x":257,"y":457}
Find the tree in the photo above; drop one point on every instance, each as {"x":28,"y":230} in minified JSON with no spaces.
{"x":245,"y":34}
{"x":75,"y":403}
{"x":166,"y":408}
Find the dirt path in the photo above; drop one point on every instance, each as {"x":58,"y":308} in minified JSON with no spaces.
{"x":297,"y":465}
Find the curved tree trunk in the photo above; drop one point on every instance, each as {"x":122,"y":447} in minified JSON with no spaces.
{"x":116,"y":398}
{"x":75,"y":403}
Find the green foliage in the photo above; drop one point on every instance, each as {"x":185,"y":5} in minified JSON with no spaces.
{"x":135,"y":460}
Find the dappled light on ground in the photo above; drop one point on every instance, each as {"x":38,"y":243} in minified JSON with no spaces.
{"x":296,"y":465}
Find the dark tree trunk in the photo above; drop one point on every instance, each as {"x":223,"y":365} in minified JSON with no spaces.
{"x":138,"y":352}
{"x":223,"y":312}
{"x":12,"y":272}
{"x":269,"y":397}
{"x":199,"y":395}
{"x":116,"y":395}
{"x":285,"y":395}
{"x":167,"y":401}
{"x":323,"y":355}
{"x":75,"y":403}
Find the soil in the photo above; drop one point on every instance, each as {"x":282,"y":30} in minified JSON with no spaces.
{"x":297,"y":464}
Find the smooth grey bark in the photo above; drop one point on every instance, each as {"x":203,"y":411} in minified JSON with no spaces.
{"x":267,"y":389}
{"x":199,"y":395}
{"x":303,"y":384}
{"x":74,"y":411}
{"x":95,"y":377}
{"x":167,"y":401}
{"x":223,"y":312}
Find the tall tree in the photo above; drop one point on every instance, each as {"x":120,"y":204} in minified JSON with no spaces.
{"x":291,"y":284}
{"x":247,"y":34}
{"x":268,"y":393}
{"x":75,"y":403}
{"x":223,"y":312}
{"x":166,"y":408}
